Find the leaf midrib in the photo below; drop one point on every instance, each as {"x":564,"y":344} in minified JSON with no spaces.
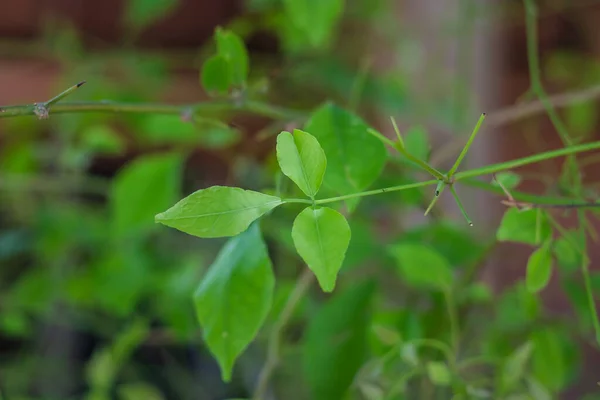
{"x":303,"y":169}
{"x":221,"y":212}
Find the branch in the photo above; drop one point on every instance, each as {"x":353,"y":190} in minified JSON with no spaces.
{"x":105,"y":106}
{"x":520,"y":111}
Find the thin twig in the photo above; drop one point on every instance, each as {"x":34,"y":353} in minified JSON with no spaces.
{"x":511,"y":202}
{"x":208,"y":107}
{"x":302,"y":285}
{"x":521,"y":111}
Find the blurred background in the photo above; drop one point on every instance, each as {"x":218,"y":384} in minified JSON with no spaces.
{"x":96,"y":300}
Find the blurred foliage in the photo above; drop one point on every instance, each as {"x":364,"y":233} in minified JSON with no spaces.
{"x":99,"y":302}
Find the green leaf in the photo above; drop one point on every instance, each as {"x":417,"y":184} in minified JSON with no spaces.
{"x":234,"y":297}
{"x":216,"y":74}
{"x":143,"y":188}
{"x":548,"y":360}
{"x":231,"y":47}
{"x":539,"y":268}
{"x":438,"y":373}
{"x":218,"y":211}
{"x":354,"y":157}
{"x":335,"y":344}
{"x":302,"y":159}
{"x":140,"y":13}
{"x":321,"y":237}
{"x":508,"y":179}
{"x":514,"y":366}
{"x":316,"y":19}
{"x":422,"y":266}
{"x":530,"y":226}
{"x":417,"y":143}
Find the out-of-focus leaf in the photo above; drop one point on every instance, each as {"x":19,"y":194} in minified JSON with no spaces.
{"x":140,"y":13}
{"x":422,"y":266}
{"x":141,"y":190}
{"x":438,"y":373}
{"x":139,"y":391}
{"x":335,"y":343}
{"x":515,"y":366}
{"x":516,"y":308}
{"x":530,"y":226}
{"x":354,"y":157}
{"x":548,"y":360}
{"x":216,"y":74}
{"x":417,"y":143}
{"x":567,"y":255}
{"x":232,"y":48}
{"x":102,"y":139}
{"x":102,"y":369}
{"x":316,"y":19}
{"x":458,"y":245}
{"x":539,"y":268}
{"x":508,"y":179}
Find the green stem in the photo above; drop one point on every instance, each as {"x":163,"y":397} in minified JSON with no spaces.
{"x":399,"y":146}
{"x":64,"y":94}
{"x":376,"y":191}
{"x":465,"y":149}
{"x":209,"y":107}
{"x":490,"y":169}
{"x":460,"y":206}
{"x":438,"y":192}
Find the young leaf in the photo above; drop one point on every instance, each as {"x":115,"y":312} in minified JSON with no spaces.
{"x":354,"y":157}
{"x":317,"y":19}
{"x":539,"y":268}
{"x":302,"y":159}
{"x":140,"y":13}
{"x":321,"y":237}
{"x":438,"y":373}
{"x":523,"y":226}
{"x":143,"y":188}
{"x":422,"y":266}
{"x":234,"y":297}
{"x":335,"y":344}
{"x":231,"y":47}
{"x":218,"y":211}
{"x":216,"y":74}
